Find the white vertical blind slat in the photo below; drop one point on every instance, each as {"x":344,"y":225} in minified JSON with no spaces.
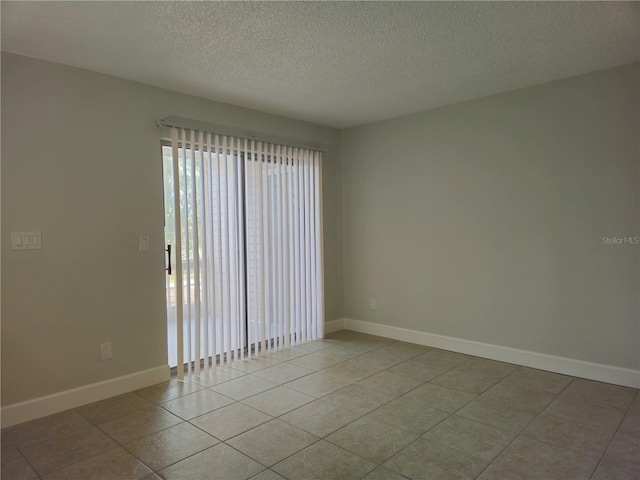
{"x":280,"y":256}
{"x":242,"y":332}
{"x":212,"y":250}
{"x":187,"y":242}
{"x":206,"y":264}
{"x":273,"y":268}
{"x":286,"y":223}
{"x":319,"y":291}
{"x":297,"y":311}
{"x":195,"y":147}
{"x":303,"y":248}
{"x":239,"y":250}
{"x":312,"y":238}
{"x":218,"y":253}
{"x":226,"y":250}
{"x":266,"y":236}
{"x":263,"y":276}
{"x":255,"y":302}
{"x":178,"y":255}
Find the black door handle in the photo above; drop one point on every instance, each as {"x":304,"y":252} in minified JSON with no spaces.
{"x":168,"y":250}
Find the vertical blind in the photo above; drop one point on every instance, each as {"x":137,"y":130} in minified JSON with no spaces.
{"x":248,"y":240}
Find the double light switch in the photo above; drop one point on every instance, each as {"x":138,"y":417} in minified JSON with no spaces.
{"x":26,"y":240}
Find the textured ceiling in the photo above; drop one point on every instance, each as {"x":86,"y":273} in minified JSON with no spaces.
{"x":333,"y":63}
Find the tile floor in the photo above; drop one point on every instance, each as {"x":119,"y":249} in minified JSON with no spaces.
{"x":351,"y":406}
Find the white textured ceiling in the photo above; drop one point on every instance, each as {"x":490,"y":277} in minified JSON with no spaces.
{"x":333,"y":63}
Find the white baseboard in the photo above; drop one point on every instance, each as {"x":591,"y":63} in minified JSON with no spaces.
{"x":334,"y":325}
{"x":567,"y":366}
{"x":76,"y":397}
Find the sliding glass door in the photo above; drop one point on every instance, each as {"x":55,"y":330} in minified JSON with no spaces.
{"x":244,"y":221}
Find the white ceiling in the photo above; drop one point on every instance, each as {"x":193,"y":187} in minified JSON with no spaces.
{"x":334,"y":63}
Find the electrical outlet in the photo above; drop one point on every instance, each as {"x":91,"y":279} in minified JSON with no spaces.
{"x":372,"y":303}
{"x":105,"y":351}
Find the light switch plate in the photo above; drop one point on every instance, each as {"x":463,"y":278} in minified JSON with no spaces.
{"x":144,"y":243}
{"x":26,"y":240}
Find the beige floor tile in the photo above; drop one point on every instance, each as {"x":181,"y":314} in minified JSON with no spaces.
{"x":391,"y":383}
{"x":136,"y":425}
{"x":315,"y":345}
{"x":352,"y":370}
{"x":278,"y":401}
{"x":624,"y":450}
{"x":445,"y":399}
{"x":5,"y":441}
{"x":466,"y":381}
{"x":409,"y":415}
{"x":318,"y":384}
{"x":322,"y":359}
{"x":402,"y":351}
{"x":46,"y":428}
{"x":14,"y":466}
{"x":344,"y":335}
{"x":105,"y":410}
{"x":529,"y":459}
{"x":566,"y":433}
{"x":537,"y":380}
{"x":382,"y":473}
{"x":631,"y":423}
{"x":472,"y":438}
{"x":585,"y":412}
{"x":196,"y":404}
{"x":356,"y":348}
{"x":256,"y":364}
{"x":375,"y":441}
{"x":165,"y":391}
{"x":443,"y":358}
{"x":285,"y":354}
{"x":420,"y":370}
{"x":171,"y":445}
{"x":486,"y":367}
{"x":424,"y":459}
{"x":323,"y":461}
{"x":320,"y":418}
{"x":232,"y":420}
{"x":216,"y":375}
{"x":220,"y":462}
{"x":360,"y":338}
{"x":329,"y":341}
{"x":361,"y":400}
{"x":376,"y":359}
{"x":282,"y":373}
{"x":608,"y":470}
{"x":243,"y":387}
{"x":268,"y":475}
{"x":614,"y":395}
{"x":497,"y":414}
{"x":525,"y":399}
{"x":272,"y":442}
{"x":66,"y":449}
{"x":114,"y":464}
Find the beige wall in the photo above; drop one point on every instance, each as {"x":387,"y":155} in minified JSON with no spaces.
{"x":81,"y":161}
{"x":484,"y":220}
